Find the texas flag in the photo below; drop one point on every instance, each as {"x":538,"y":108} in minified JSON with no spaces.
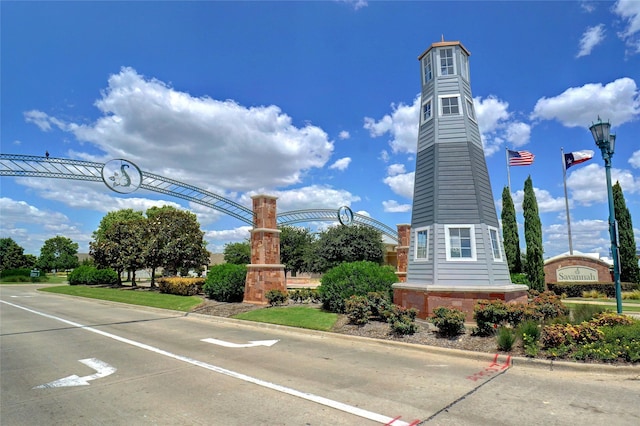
{"x":577,"y":157}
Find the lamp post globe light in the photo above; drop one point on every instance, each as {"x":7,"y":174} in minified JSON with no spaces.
{"x":606,"y":142}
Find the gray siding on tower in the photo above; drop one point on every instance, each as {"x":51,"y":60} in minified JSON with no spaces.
{"x":452,"y":187}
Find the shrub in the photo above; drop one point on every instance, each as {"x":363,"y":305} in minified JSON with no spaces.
{"x":358,"y":309}
{"x":518,"y":278}
{"x":604,"y":319}
{"x":547,"y":305}
{"x":304,"y":295}
{"x":505,"y":338}
{"x":593,"y":294}
{"x":576,"y":289}
{"x":90,"y":275}
{"x":180,"y":286}
{"x":585,"y":312}
{"x":276,"y":297}
{"x":450,"y":321}
{"x":402,"y":320}
{"x":20,"y":272}
{"x":355,"y":278}
{"x":225,"y":282}
{"x":379,"y":304}
{"x":631,"y":295}
{"x":489,"y":315}
{"x":529,"y":332}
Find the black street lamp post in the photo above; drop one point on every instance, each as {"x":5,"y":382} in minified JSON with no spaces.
{"x":606,"y":142}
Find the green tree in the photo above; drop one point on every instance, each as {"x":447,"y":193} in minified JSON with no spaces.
{"x":11,"y":255}
{"x":175,"y":241}
{"x":340,"y":244}
{"x":121,"y":247}
{"x":295,"y":246}
{"x":113,"y":217}
{"x":237,"y":253}
{"x":533,"y":238}
{"x":58,"y":253}
{"x":629,"y":270}
{"x":510,"y":232}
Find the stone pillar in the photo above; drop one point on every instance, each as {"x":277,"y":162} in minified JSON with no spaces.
{"x":265,"y":271}
{"x":404,"y":235}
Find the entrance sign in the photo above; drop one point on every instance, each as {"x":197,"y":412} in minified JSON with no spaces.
{"x":345,"y":215}
{"x":121,"y":176}
{"x":577,"y":273}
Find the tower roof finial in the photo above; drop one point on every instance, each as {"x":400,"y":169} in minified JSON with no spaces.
{"x":442,"y":37}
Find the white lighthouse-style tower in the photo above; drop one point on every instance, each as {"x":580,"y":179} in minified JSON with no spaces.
{"x":455,"y":254}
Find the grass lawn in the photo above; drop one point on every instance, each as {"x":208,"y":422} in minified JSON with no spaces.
{"x":295,"y":316}
{"x":133,"y":297}
{"x":49,"y":279}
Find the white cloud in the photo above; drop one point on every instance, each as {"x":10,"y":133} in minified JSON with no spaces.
{"x":588,"y":184}
{"x":395,"y":169}
{"x":344,"y":135}
{"x":32,"y":226}
{"x":629,"y":11}
{"x":392,"y":206}
{"x":587,"y":236}
{"x":635,"y":160}
{"x":546,"y":202}
{"x":198,"y":139}
{"x":497,"y":125}
{"x":384,"y":156}
{"x":591,"y":37}
{"x":401,"y":184}
{"x":308,"y":197}
{"x":356,"y":4}
{"x":618,"y":101}
{"x":401,"y":124}
{"x":341,"y":164}
{"x":587,"y":6}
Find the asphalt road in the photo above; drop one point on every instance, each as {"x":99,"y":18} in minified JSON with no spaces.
{"x":72,"y":361}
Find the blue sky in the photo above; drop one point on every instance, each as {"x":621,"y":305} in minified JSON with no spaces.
{"x":314,"y":102}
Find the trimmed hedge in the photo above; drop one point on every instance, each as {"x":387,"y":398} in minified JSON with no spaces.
{"x":225,"y":283}
{"x":90,"y":275}
{"x":354,"y":278}
{"x":576,"y":289}
{"x":180,"y":286}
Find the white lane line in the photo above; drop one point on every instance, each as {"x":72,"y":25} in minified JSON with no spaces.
{"x":304,"y":395}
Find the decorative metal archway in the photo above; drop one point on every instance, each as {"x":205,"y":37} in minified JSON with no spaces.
{"x":62,"y":168}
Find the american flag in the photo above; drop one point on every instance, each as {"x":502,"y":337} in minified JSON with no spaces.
{"x":520,"y":158}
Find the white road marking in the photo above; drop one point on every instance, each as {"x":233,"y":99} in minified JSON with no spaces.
{"x":304,"y":395}
{"x":103,"y":370}
{"x":251,"y":344}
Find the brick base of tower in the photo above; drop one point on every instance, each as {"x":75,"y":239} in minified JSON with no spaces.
{"x":426,"y":298}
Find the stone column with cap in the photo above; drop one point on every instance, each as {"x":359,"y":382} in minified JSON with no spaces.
{"x":265,"y":271}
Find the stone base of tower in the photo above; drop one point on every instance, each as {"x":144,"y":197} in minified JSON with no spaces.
{"x":425,"y":298}
{"x":261,"y":279}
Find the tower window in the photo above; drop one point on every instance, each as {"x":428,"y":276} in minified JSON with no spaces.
{"x":470,"y":111}
{"x":422,"y":244}
{"x":465,"y":65}
{"x":428,"y":72}
{"x":460,"y":242}
{"x":450,"y":105}
{"x":446,"y":61}
{"x":495,"y":244}
{"x":427,"y":111}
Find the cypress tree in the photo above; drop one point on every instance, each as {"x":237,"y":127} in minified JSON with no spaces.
{"x":510,"y":232}
{"x":533,"y":238}
{"x":629,"y":270}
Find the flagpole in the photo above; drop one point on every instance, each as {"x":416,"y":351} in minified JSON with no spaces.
{"x":566,"y":199}
{"x":506,"y":151}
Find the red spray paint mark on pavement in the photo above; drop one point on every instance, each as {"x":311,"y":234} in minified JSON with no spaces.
{"x":494,"y":367}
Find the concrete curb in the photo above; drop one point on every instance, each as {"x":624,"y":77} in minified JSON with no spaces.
{"x":541,"y":364}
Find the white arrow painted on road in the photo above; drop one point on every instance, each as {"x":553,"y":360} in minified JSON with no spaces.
{"x":103,"y":370}
{"x":251,"y":344}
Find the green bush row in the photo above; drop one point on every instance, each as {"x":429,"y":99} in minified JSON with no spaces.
{"x":567,"y":289}
{"x":90,"y":275}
